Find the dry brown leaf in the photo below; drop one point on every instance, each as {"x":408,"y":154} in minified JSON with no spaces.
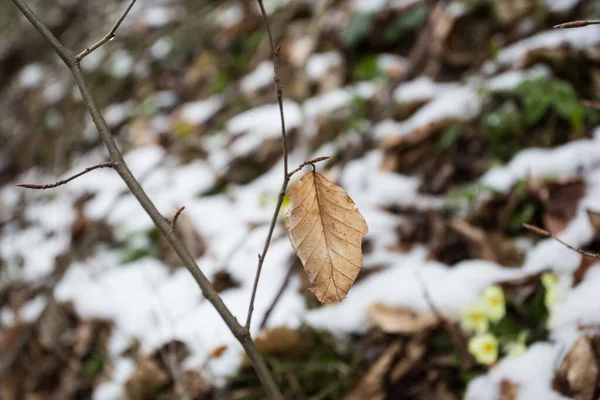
{"x":280,"y":340}
{"x":579,"y":371}
{"x":400,"y":319}
{"x":508,"y":390}
{"x":326,"y":231}
{"x":372,"y":385}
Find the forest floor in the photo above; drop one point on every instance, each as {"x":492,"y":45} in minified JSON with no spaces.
{"x":449,"y":123}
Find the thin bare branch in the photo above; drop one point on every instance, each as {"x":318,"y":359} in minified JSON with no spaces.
{"x":309,"y":162}
{"x":284,"y":284}
{"x":108,"y":164}
{"x":176,"y":216}
{"x":109,"y":36}
{"x":241,"y":334}
{"x":545,"y":233}
{"x":591,"y":104}
{"x":286,"y":177}
{"x":577,"y":24}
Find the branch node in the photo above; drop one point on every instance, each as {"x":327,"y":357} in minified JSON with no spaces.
{"x":108,"y":37}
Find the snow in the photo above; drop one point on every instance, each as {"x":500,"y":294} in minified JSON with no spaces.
{"x":458,"y":104}
{"x":560,"y":6}
{"x":261,"y":77}
{"x":31,"y":75}
{"x":319,"y":64}
{"x":567,"y":160}
{"x":509,"y":80}
{"x":532,"y":371}
{"x":149,"y":301}
{"x":331,"y":101}
{"x":230,"y":16}
{"x":157,"y":17}
{"x":422,"y":89}
{"x":116,"y":114}
{"x":161,"y":48}
{"x":261,"y":123}
{"x":577,"y":39}
{"x":199,"y":112}
{"x":120,"y":64}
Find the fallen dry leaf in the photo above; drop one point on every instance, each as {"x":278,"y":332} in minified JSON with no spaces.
{"x":579,"y":371}
{"x":372,"y":385}
{"x":508,"y":390}
{"x":400,"y":319}
{"x":146,"y":381}
{"x":280,"y":340}
{"x":326,"y":231}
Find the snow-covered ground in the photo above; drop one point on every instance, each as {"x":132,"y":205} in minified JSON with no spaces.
{"x":149,"y":302}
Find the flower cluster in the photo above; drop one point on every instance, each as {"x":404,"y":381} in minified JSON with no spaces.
{"x":476,"y":318}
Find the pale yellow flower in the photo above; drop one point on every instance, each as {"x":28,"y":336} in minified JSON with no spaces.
{"x":474,"y":319}
{"x":493,"y":302}
{"x":550,"y":281}
{"x":517,"y":347}
{"x":484,"y":348}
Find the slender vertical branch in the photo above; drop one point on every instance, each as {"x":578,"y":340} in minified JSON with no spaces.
{"x":286,"y":176}
{"x":241,"y":334}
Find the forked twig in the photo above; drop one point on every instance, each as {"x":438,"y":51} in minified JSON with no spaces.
{"x":108,"y":164}
{"x":109,"y":36}
{"x":545,"y":233}
{"x":577,"y":24}
{"x":309,"y":162}
{"x":241,"y":334}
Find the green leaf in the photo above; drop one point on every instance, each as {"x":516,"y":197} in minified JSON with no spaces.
{"x":449,"y":137}
{"x":408,"y":21}
{"x":566,"y":104}
{"x":536,"y":97}
{"x":367,"y":69}
{"x":358,"y":28}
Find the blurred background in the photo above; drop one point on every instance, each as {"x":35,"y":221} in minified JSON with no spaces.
{"x":450,"y":123}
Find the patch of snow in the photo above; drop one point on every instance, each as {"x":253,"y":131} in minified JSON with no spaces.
{"x":161,"y":48}
{"x":120,"y":64}
{"x":391,"y":64}
{"x":32,"y":309}
{"x":31,"y":75}
{"x":368,"y":6}
{"x":93,"y":60}
{"x":422,"y":89}
{"x":570,"y":159}
{"x":231,"y":15}
{"x":261,"y":77}
{"x":509,"y":80}
{"x":199,"y":112}
{"x":460,"y":104}
{"x":55,"y":92}
{"x":261,"y":123}
{"x":400,"y":285}
{"x":577,"y":39}
{"x":320,"y":63}
{"x":337,"y":99}
{"x":116,"y":114}
{"x":560,"y":6}
{"x":157,"y":16}
{"x":581,"y":305}
{"x":532,"y":372}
